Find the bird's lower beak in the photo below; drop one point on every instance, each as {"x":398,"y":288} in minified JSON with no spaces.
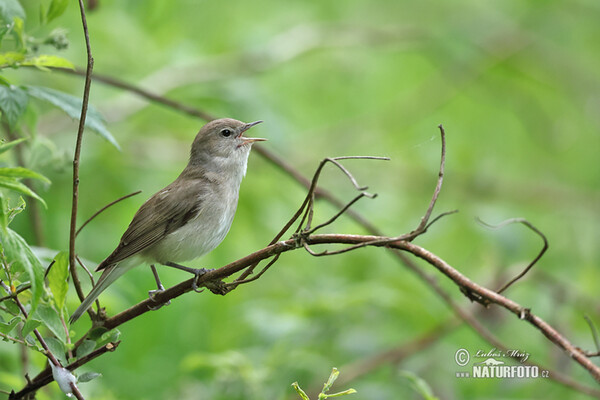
{"x":247,"y":140}
{"x":251,"y":140}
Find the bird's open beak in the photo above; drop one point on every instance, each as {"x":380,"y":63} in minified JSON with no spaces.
{"x":247,"y":140}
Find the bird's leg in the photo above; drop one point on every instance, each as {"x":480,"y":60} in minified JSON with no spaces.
{"x":160,"y":288}
{"x":198,"y":272}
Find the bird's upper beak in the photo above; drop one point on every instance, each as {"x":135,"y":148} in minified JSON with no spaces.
{"x":247,"y":140}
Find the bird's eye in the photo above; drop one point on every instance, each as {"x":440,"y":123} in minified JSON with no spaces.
{"x":226,"y":133}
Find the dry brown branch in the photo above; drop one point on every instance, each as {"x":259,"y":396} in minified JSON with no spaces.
{"x":534,"y":261}
{"x":112,"y":203}
{"x":77,"y":155}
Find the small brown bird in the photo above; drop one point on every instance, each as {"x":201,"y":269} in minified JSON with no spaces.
{"x":192,"y":215}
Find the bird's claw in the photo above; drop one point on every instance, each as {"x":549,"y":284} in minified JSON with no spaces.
{"x":198,"y":274}
{"x":152,"y":295}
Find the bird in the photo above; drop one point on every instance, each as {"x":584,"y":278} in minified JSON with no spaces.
{"x":191,"y":216}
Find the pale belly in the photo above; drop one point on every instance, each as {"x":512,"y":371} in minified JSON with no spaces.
{"x":196,"y":238}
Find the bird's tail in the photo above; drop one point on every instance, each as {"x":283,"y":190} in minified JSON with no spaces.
{"x":110,"y":274}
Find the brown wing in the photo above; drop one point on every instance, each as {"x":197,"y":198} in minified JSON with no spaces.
{"x":158,"y":217}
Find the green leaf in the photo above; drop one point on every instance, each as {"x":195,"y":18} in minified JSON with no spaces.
{"x":87,"y":376}
{"x":5,"y":146}
{"x":13,"y":102}
{"x":46,"y":61}
{"x":52,"y":321}
{"x":58,"y":279}
{"x":57,"y":8}
{"x":4,"y":213}
{"x":9,"y":9}
{"x":13,"y":184}
{"x":30,"y":325}
{"x":85,"y":348}
{"x":19,"y":255}
{"x":72,"y":106}
{"x":7,"y":328}
{"x":11,"y":59}
{"x":20,"y":172}
{"x":57,"y":348}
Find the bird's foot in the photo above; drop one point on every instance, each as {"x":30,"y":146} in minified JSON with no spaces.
{"x":160,"y":288}
{"x":152,"y":295}
{"x":198,"y":273}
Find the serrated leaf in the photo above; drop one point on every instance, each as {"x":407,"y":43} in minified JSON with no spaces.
{"x":7,"y":328}
{"x":85,"y":348}
{"x":87,"y":376}
{"x":72,"y":106}
{"x":57,"y":8}
{"x":13,"y":184}
{"x":11,"y":59}
{"x":57,"y":348}
{"x":51,"y":320}
{"x":19,"y":255}
{"x":9,"y":9}
{"x":13,"y":102}
{"x":20,"y":172}
{"x":9,"y":145}
{"x":58,"y":279}
{"x":46,"y":61}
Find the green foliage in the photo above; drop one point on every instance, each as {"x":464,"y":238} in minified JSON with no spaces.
{"x":326,"y":387}
{"x":17,"y":258}
{"x":72,"y":106}
{"x":13,"y":102}
{"x":58,"y":280}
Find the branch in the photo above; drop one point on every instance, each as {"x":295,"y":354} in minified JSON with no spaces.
{"x":291,"y":244}
{"x":45,"y":377}
{"x":534,"y":261}
{"x":112,"y":203}
{"x":76,"y":157}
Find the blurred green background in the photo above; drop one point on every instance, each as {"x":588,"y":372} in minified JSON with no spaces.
{"x":516,"y":85}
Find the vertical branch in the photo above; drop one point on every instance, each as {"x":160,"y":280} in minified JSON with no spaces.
{"x":84,"y":107}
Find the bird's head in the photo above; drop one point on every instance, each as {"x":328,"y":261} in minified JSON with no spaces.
{"x":221,"y":144}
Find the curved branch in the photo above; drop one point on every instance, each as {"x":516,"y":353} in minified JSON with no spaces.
{"x":534,"y":261}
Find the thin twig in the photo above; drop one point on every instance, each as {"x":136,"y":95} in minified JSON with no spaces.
{"x":89,"y":274}
{"x":534,"y":261}
{"x":112,"y":203}
{"x":77,"y":155}
{"x":340,"y":212}
{"x":255,"y":277}
{"x":594,"y":332}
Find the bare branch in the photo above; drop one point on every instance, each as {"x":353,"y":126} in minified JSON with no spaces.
{"x":76,"y":157}
{"x":112,"y":203}
{"x":438,"y":187}
{"x":535,"y":260}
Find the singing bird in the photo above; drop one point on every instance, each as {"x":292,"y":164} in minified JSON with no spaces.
{"x":192,"y":215}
